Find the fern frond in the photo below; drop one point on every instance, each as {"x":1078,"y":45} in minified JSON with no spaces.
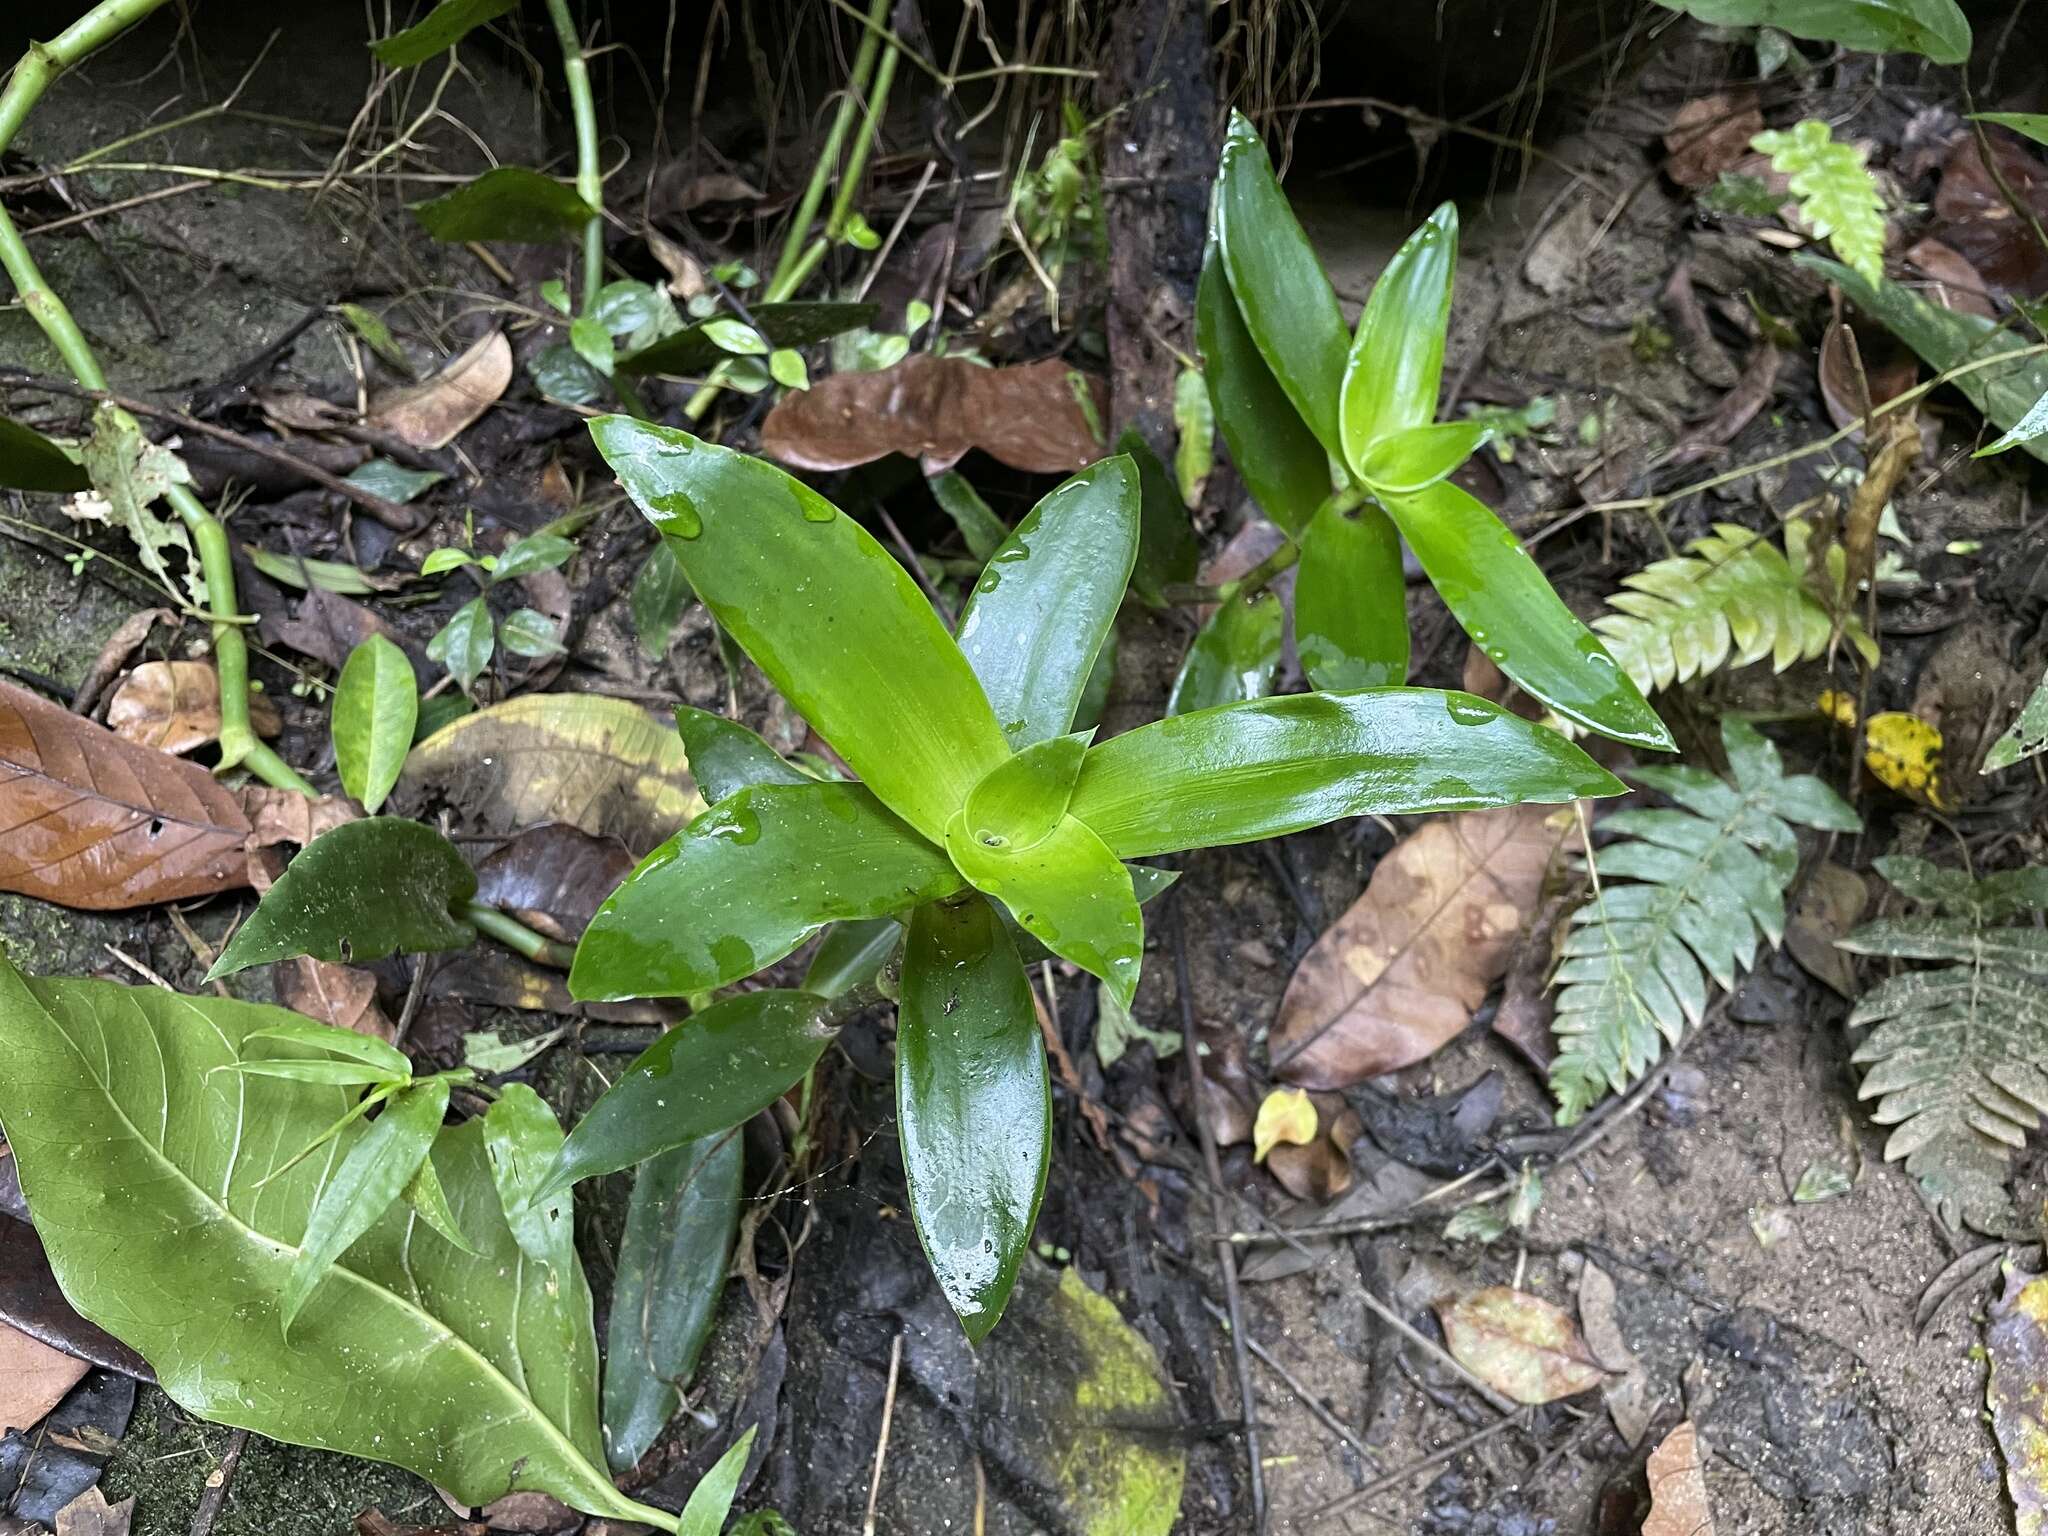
{"x":1733,"y":598}
{"x":1837,"y":194}
{"x":1681,"y":898}
{"x":1958,"y":1061}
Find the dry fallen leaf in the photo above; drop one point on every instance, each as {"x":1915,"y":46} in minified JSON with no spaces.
{"x":1953,"y":282}
{"x":2017,"y":1343}
{"x":33,"y":1378}
{"x":1736,"y":409}
{"x":1518,"y":1344}
{"x":553,"y":878}
{"x":1709,"y":135}
{"x":174,"y":706}
{"x":286,"y":816}
{"x":327,"y":627}
{"x":89,"y":820}
{"x":114,"y":655}
{"x":1400,"y":973}
{"x":1831,"y":903}
{"x":434,"y":414}
{"x":91,"y":1515}
{"x":604,"y":766}
{"x":1285,"y":1115}
{"x":1678,"y":1487}
{"x":1973,"y":217}
{"x":1042,"y":417}
{"x":1320,"y":1168}
{"x":342,"y":995}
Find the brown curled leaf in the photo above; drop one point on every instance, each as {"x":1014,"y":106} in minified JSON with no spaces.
{"x":174,"y":706}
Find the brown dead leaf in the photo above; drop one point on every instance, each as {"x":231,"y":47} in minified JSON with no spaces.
{"x":604,"y":766}
{"x":1598,"y":1301}
{"x":1736,"y":409}
{"x":1955,"y":284}
{"x":292,"y":412}
{"x":114,"y":655}
{"x":1861,"y":367}
{"x":1709,"y":135}
{"x":91,"y":1515}
{"x":33,"y":1378}
{"x":1678,"y":1487}
{"x":1039,"y":417}
{"x":553,"y":878}
{"x":89,"y":820}
{"x":716,"y":187}
{"x":174,"y":706}
{"x":327,"y":627}
{"x":530,"y":1514}
{"x":1227,"y":1092}
{"x":342,"y":995}
{"x":286,"y":816}
{"x":1400,"y":973}
{"x":434,"y":414}
{"x":1973,"y":218}
{"x":685,"y":276}
{"x":1518,"y":1344}
{"x":498,"y":978}
{"x":1831,"y":904}
{"x":1319,"y":1169}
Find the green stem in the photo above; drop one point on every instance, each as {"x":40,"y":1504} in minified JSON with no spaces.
{"x":519,"y":938}
{"x":589,"y":174}
{"x":32,"y":76}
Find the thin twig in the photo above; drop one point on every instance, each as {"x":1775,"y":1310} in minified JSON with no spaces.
{"x":1226,"y":1256}
{"x":1308,"y":1399}
{"x":1434,"y":1350}
{"x":216,"y":1495}
{"x":867,"y":1525}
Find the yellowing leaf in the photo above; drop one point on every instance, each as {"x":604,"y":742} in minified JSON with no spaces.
{"x":1838,"y":706}
{"x":1904,"y":753}
{"x":1285,"y":1116}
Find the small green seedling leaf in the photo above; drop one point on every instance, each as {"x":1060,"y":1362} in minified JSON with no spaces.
{"x":394,"y":482}
{"x":1351,"y":600}
{"x":524,"y":1141}
{"x":593,"y":343}
{"x":711,"y":1500}
{"x":342,"y":1042}
{"x":1396,"y":359}
{"x":376,"y":335}
{"x":376,"y":705}
{"x":464,"y":644}
{"x":29,"y":461}
{"x":718,"y":1069}
{"x":1234,"y":656}
{"x":973,"y":1105}
{"x":450,"y":557}
{"x":436,"y":32}
{"x":511,"y":203}
{"x":786,"y":367}
{"x":1194,"y":420}
{"x":303,"y":574}
{"x":425,"y":1195}
{"x":794,"y":323}
{"x":982,"y":530}
{"x":529,"y":632}
{"x":535,"y":552}
{"x":365,"y":890}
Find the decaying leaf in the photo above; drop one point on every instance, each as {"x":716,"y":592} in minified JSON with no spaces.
{"x":1709,"y":135}
{"x":604,"y":766}
{"x":342,"y":995}
{"x":129,"y":475}
{"x":1400,"y":973}
{"x":91,"y":1515}
{"x":1518,"y":1344}
{"x":89,"y":820}
{"x":1830,"y":904}
{"x":286,"y":816}
{"x":33,"y":1378}
{"x":1903,"y":752}
{"x":553,"y":878}
{"x":1974,"y":217}
{"x":1319,"y":1169}
{"x":174,"y":706}
{"x":1678,"y":1487}
{"x":1044,"y":418}
{"x":114,"y":655}
{"x":434,"y":414}
{"x":2017,"y":1343}
{"x":1285,"y":1115}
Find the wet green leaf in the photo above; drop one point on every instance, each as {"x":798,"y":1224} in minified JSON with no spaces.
{"x":593,"y":343}
{"x":440,"y":29}
{"x":1936,"y":28}
{"x":376,"y":704}
{"x":661,"y":595}
{"x":510,"y":203}
{"x":1286,"y":301}
{"x":735,"y":336}
{"x":404,"y":1351}
{"x":1414,"y":458}
{"x":1168,"y":551}
{"x":426,"y":1196}
{"x":1273,"y":766}
{"x":852,"y":955}
{"x":672,"y":1262}
{"x":393,"y":481}
{"x":1396,"y":359}
{"x":827,"y":613}
{"x":715,"y":1070}
{"x":746,"y":883}
{"x":786,"y":367}
{"x":725,"y":757}
{"x":365,"y":890}
{"x":2026,"y":736}
{"x":1276,"y":455}
{"x":796,"y":323}
{"x":1038,"y":615}
{"x":29,"y":461}
{"x":535,"y":552}
{"x":465,"y":643}
{"x":375,"y":1171}
{"x":1234,"y":655}
{"x":562,"y":375}
{"x":303,"y":574}
{"x":529,"y":632}
{"x":1023,"y":798}
{"x":973,"y":1105}
{"x":1498,"y":594}
{"x":711,"y":1500}
{"x":1351,"y":600}
{"x":2033,"y":124}
{"x":291,"y":1027}
{"x":982,"y":530}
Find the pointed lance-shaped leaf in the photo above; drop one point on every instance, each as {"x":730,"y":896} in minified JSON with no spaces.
{"x":725,"y":757}
{"x":1037,"y":617}
{"x":827,"y":613}
{"x":376,"y":705}
{"x":29,"y":461}
{"x":1234,"y":657}
{"x":1272,"y":766}
{"x":1396,"y":359}
{"x":973,"y":1104}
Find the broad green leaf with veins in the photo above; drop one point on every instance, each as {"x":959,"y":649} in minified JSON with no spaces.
{"x":148,"y":1173}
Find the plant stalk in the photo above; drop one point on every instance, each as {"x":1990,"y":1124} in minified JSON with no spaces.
{"x":589,"y":174}
{"x":517,"y":937}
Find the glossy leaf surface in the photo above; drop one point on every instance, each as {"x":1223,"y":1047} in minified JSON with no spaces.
{"x":661,"y":595}
{"x":973,"y":1105}
{"x":365,"y":890}
{"x":1234,"y":655}
{"x":746,"y":883}
{"x":796,"y":323}
{"x":1068,"y":891}
{"x":147,"y":1171}
{"x":1415,"y":458}
{"x":383,"y":1161}
{"x":1351,"y":601}
{"x":376,"y":705}
{"x":672,"y":1261}
{"x":29,"y":461}
{"x":465,"y":644}
{"x":509,"y":203}
{"x":1936,"y":28}
{"x":838,"y":626}
{"x":1287,"y":303}
{"x":1396,"y":360}
{"x":715,"y":1070}
{"x":1272,"y":766}
{"x":441,"y":28}
{"x":1023,"y":799}
{"x":726,"y":757}
{"x":1036,"y":620}
{"x":851,"y":955}
{"x":1498,"y":594}
{"x":1279,"y":459}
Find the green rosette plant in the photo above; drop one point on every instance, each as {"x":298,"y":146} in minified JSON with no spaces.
{"x":980,"y":823}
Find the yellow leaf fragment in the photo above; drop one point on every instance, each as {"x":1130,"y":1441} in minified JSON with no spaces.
{"x":1287,"y":1116}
